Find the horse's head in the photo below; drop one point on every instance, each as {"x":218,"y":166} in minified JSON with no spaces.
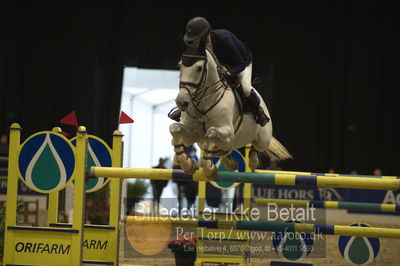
{"x":197,"y":69}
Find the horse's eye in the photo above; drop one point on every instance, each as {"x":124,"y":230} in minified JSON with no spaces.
{"x":199,"y":68}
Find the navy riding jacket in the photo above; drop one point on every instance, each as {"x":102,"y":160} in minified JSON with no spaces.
{"x":230,"y":51}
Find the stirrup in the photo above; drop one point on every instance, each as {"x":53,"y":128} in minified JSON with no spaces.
{"x":175,"y":114}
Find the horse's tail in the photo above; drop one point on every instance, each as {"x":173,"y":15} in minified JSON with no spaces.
{"x":277,"y":152}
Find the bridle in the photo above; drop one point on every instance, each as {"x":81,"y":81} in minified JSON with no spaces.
{"x":203,"y":92}
{"x":200,"y":95}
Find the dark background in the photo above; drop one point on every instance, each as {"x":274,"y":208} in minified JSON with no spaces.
{"x":330,"y":69}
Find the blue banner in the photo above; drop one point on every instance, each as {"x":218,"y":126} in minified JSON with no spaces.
{"x":298,"y":192}
{"x":374,"y":196}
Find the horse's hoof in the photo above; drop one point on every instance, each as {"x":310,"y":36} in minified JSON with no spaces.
{"x":253,"y":160}
{"x":188,"y":165}
{"x":176,"y":160}
{"x":185,"y":166}
{"x":201,"y":162}
{"x":210,"y":172}
{"x":253,"y":165}
{"x":231,"y":164}
{"x":235,"y":165}
{"x":181,"y":157}
{"x":192,"y":169}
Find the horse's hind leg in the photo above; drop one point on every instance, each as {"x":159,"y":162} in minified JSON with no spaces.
{"x":259,"y":144}
{"x":253,"y":158}
{"x":180,"y":136}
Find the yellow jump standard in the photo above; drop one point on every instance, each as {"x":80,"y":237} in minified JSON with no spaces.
{"x":27,"y":245}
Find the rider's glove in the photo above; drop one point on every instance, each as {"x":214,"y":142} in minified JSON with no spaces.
{"x":224,"y":74}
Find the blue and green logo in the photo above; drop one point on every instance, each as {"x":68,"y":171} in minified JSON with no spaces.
{"x":359,"y":250}
{"x":98,"y":154}
{"x":46,"y":162}
{"x":221,"y":167}
{"x":292,"y":246}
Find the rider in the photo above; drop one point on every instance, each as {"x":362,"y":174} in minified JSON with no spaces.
{"x":232,"y":53}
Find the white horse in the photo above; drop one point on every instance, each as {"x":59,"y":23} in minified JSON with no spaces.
{"x":211,"y":118}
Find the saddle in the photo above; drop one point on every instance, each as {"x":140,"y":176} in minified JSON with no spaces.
{"x":239,"y":95}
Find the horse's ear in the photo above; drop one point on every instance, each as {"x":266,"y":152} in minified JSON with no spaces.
{"x":182,"y":44}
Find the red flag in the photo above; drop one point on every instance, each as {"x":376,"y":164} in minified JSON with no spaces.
{"x":125,"y":119}
{"x":70,"y":119}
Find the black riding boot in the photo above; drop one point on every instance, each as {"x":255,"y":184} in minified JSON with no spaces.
{"x":175,"y":114}
{"x":253,"y":101}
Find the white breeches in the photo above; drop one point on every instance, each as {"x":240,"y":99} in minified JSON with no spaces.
{"x":245,"y":79}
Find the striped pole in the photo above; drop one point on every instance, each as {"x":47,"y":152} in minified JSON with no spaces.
{"x":342,"y":230}
{"x":257,"y":178}
{"x":351,"y":206}
{"x":322,"y":174}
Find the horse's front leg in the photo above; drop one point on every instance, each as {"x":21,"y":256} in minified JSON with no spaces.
{"x":218,"y":142}
{"x":181,"y":137}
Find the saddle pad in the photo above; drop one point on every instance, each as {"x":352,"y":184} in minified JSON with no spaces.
{"x":237,"y":91}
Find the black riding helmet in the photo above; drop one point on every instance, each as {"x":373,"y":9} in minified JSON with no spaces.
{"x":196,"y":28}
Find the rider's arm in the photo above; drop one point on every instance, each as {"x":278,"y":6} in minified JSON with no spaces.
{"x":232,"y":52}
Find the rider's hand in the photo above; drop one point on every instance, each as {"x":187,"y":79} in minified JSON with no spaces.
{"x":224,"y":74}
